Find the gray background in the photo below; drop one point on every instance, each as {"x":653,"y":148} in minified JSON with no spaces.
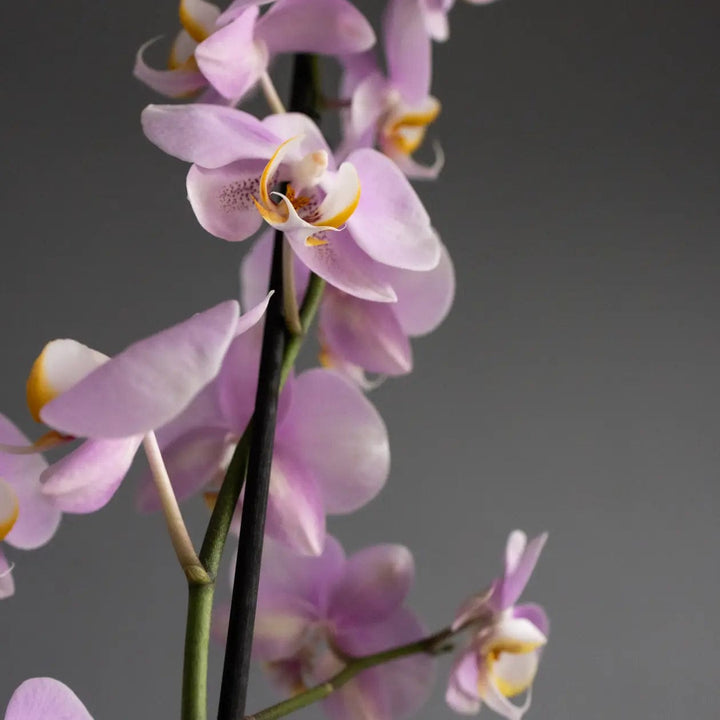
{"x":574,"y":388}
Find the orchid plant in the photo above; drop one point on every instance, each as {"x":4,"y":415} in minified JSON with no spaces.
{"x":221,"y":412}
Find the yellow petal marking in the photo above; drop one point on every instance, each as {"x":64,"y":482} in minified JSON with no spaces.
{"x":39,"y":392}
{"x":312,"y":241}
{"x":265,"y":177}
{"x":210,"y":499}
{"x":341,"y":217}
{"x":408,"y":143}
{"x":8,"y":521}
{"x":194,"y":27}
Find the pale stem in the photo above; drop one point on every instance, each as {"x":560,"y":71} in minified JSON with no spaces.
{"x":179,"y":536}
{"x":271,"y":94}
{"x":290,"y":305}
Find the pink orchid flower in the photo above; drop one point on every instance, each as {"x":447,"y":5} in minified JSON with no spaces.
{"x":503,"y":656}
{"x":393,"y":111}
{"x":344,"y":223}
{"x":227,"y":53}
{"x":313,"y":612}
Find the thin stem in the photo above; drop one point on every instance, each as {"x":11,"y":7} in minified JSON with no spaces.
{"x":431,"y":645}
{"x":292,"y":314}
{"x":179,"y":536}
{"x":271,"y":94}
{"x":233,"y":691}
{"x":197,"y":639}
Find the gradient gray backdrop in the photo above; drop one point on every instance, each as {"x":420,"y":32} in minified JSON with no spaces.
{"x":574,"y":388}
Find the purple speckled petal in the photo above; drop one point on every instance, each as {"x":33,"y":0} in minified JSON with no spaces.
{"x":330,"y":27}
{"x":402,"y":687}
{"x":150,"y":382}
{"x":223,"y":198}
{"x":424,"y":298}
{"x":7,"y":584}
{"x":38,"y":518}
{"x":86,"y":479}
{"x":339,"y":435}
{"x":390,"y":222}
{"x":535,"y":614}
{"x":192,"y":461}
{"x":374,"y":584}
{"x":176,"y":83}
{"x":408,"y":49}
{"x":231,"y":59}
{"x":343,"y":264}
{"x":462,"y":691}
{"x":295,"y":514}
{"x":210,"y":135}
{"x":364,"y":333}
{"x":45,"y":698}
{"x":310,"y":579}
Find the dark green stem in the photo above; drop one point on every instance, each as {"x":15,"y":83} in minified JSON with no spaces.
{"x":432,"y":645}
{"x":197,"y":638}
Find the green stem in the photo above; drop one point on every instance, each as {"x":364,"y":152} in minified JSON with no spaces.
{"x":432,"y":645}
{"x":197,"y":638}
{"x":200,"y":597}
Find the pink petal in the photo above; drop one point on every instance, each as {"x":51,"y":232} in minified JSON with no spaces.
{"x":45,"y":698}
{"x":390,"y":222}
{"x":375,"y":583}
{"x":330,"y":27}
{"x":150,"y":382}
{"x":338,"y":435}
{"x":462,"y":691}
{"x":366,"y":334}
{"x":86,"y":479}
{"x":231,"y":59}
{"x":290,"y":125}
{"x":38,"y":518}
{"x":281,"y":623}
{"x":343,"y":264}
{"x":408,"y":49}
{"x":286,"y":574}
{"x":424,"y":298}
{"x":223,"y":198}
{"x":175,"y":83}
{"x":210,"y":135}
{"x":295,"y":513}
{"x":520,"y":566}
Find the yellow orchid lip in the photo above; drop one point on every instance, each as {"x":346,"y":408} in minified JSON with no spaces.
{"x":405,"y":131}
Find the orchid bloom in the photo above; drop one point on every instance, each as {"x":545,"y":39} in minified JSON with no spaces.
{"x":345,"y":224}
{"x":28,"y":519}
{"x":314,"y":612}
{"x":360,"y":336}
{"x":394,"y":111}
{"x":331,"y":452}
{"x":45,"y":699}
{"x":113,"y":402}
{"x":503,"y":656}
{"x":227,"y":53}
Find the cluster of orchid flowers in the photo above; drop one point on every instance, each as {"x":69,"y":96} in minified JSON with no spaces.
{"x":352,"y":225}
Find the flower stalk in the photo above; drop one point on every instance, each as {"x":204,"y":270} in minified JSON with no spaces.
{"x":435,"y":644}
